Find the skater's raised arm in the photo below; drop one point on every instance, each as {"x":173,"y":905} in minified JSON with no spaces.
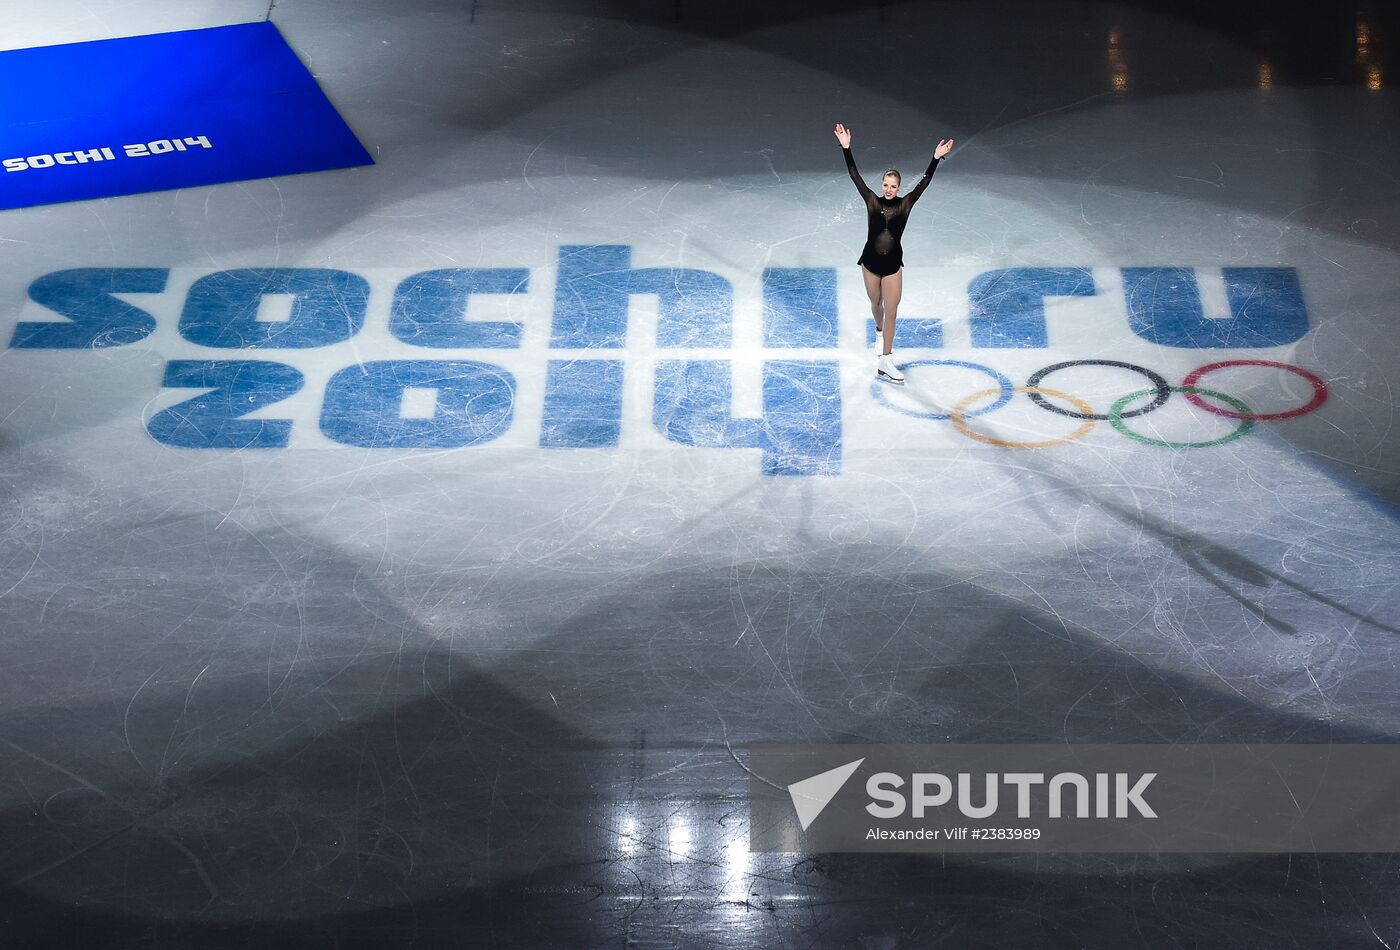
{"x":843,"y":135}
{"x":943,"y":148}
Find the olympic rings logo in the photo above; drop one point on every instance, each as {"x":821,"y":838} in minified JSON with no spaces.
{"x":1118,"y":414}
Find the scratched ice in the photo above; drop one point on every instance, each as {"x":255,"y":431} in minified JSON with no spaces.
{"x":441,"y":530}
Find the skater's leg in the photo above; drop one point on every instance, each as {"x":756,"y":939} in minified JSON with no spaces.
{"x":872,"y":290}
{"x":891,"y":289}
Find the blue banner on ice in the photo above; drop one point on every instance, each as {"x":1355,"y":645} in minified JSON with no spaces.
{"x":172,"y":110}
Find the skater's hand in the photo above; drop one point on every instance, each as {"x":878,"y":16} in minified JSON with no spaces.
{"x":944,"y":147}
{"x":843,"y":135}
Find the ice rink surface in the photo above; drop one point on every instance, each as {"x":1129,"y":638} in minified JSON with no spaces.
{"x":355,"y":653}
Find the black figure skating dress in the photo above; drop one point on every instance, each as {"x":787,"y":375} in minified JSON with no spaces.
{"x":882,"y":254}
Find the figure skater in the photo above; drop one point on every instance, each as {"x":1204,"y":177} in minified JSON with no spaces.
{"x":882,"y":258}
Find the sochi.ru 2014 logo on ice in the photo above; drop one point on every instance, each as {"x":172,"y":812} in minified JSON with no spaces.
{"x":453,"y":391}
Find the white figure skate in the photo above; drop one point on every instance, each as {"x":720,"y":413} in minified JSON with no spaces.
{"x":886,"y":370}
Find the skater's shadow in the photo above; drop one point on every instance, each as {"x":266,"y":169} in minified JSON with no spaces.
{"x":924,"y":400}
{"x":1214,"y":562}
{"x":1211,"y":561}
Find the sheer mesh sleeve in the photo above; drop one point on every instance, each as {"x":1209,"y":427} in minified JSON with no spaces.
{"x":861,"y":186}
{"x":923,"y":182}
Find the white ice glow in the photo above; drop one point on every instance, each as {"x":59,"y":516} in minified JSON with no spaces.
{"x":680,"y":838}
